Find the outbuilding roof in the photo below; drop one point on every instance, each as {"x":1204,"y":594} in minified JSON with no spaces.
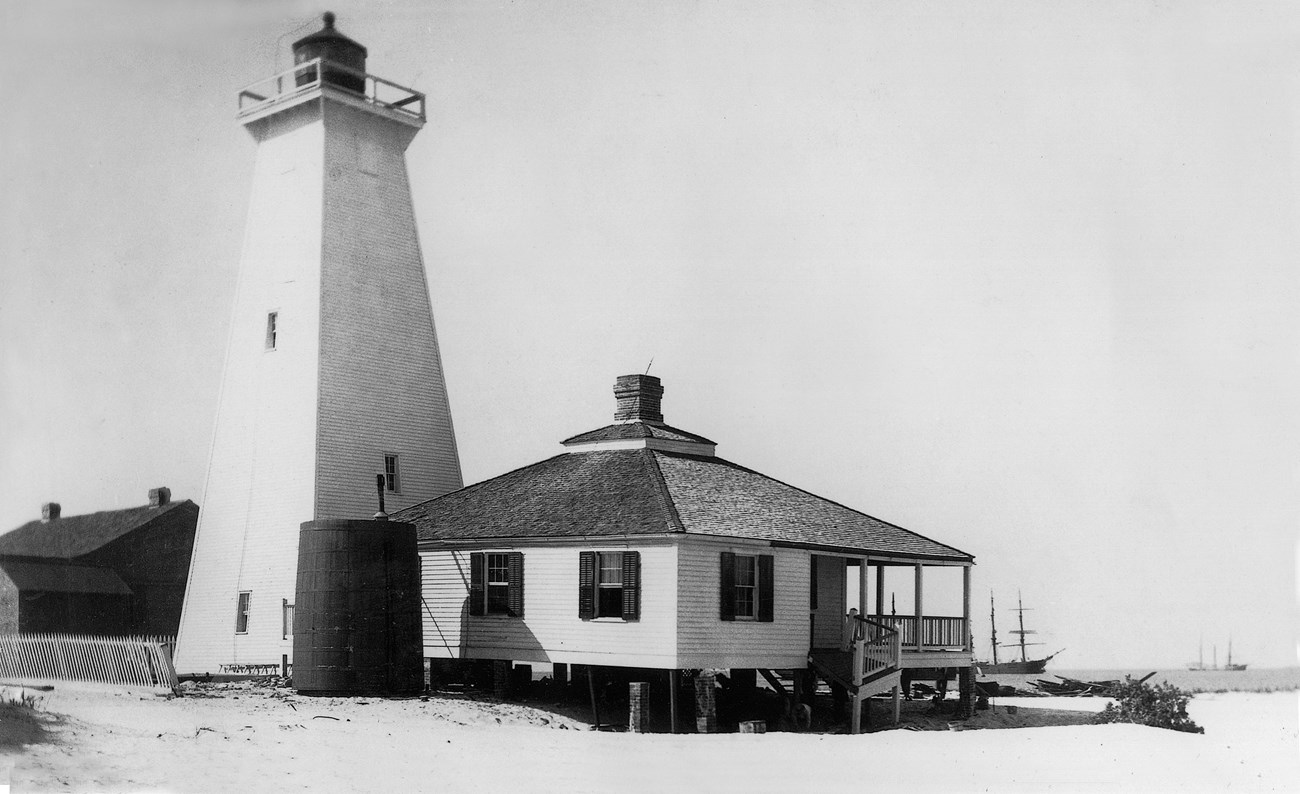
{"x":72,"y":536}
{"x":34,"y":576}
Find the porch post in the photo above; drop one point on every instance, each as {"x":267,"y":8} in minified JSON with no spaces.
{"x":862,"y":588}
{"x":880,"y":591}
{"x":920,"y":638}
{"x":965,"y":608}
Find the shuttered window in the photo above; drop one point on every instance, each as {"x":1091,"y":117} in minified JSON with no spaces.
{"x":609,"y":585}
{"x":746,"y":587}
{"x":496,"y":583}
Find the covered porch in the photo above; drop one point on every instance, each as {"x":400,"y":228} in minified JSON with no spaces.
{"x":877,"y":623}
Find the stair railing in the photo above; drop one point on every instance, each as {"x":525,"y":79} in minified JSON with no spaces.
{"x":877,"y":648}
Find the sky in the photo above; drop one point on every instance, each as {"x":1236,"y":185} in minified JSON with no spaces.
{"x":1020,"y":277}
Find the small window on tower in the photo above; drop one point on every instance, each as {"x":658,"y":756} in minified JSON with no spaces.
{"x":272,"y":319}
{"x":392,"y":482}
{"x":241,"y":612}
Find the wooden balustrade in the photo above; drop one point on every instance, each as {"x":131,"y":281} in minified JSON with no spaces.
{"x":936,"y":632}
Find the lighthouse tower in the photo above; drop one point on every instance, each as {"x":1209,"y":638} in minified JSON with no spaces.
{"x":333,"y":376}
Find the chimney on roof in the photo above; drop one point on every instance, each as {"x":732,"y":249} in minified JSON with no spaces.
{"x":160,"y":496}
{"x":638,"y":399}
{"x":50,"y":511}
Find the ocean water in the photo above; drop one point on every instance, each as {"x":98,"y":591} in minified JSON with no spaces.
{"x":1263,"y":679}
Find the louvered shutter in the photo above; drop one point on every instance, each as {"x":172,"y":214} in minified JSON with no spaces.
{"x":586,"y":585}
{"x":631,"y":585}
{"x":727,"y":588}
{"x":515,"y":592}
{"x":477,"y":577}
{"x":766,"y":589}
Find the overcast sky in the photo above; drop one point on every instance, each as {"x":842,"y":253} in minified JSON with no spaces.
{"x":1021,"y":277}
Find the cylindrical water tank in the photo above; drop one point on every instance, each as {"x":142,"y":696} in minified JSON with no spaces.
{"x":356,"y":627}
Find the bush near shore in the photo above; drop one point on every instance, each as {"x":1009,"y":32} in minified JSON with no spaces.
{"x":1159,"y":706}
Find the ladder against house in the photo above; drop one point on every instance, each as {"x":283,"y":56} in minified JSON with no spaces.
{"x":873,"y":665}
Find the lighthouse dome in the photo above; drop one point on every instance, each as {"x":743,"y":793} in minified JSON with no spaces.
{"x":336,"y":50}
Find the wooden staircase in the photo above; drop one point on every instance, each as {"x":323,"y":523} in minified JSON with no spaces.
{"x":873,"y":666}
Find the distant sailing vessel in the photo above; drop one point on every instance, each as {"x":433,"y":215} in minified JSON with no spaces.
{"x":1025,"y":665}
{"x":1200,"y":665}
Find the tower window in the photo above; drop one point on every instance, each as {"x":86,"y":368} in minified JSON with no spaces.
{"x":272,"y":318}
{"x":392,"y":482}
{"x":241,"y":612}
{"x":286,"y":618}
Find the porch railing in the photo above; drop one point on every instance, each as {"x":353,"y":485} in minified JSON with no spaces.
{"x":307,"y":75}
{"x":936,"y":632}
{"x":117,"y":661}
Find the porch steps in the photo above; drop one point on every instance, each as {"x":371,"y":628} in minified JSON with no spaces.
{"x":837,"y":666}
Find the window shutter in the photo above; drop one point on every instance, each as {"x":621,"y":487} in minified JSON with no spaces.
{"x":727,"y":590}
{"x":515,"y":593}
{"x":586,"y":585}
{"x":631,"y":585}
{"x":765,"y":588}
{"x":477,"y":577}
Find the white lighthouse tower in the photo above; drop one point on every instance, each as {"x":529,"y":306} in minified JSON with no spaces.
{"x":333,"y":375}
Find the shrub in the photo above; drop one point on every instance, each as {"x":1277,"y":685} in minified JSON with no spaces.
{"x":1160,"y":706}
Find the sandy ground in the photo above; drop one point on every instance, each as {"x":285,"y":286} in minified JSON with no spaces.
{"x":257,"y":739}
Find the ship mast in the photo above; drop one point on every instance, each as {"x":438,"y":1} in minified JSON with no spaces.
{"x":993,"y":629}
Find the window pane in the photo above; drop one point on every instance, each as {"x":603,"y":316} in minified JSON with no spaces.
{"x":498,"y":569}
{"x":611,"y":568}
{"x":498,"y":599}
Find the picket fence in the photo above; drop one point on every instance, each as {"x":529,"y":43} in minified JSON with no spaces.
{"x":144,"y":662}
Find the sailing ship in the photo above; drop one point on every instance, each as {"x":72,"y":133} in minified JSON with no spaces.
{"x":1025,"y":665}
{"x":1199,"y":665}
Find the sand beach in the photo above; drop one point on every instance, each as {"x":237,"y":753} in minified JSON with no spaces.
{"x":251,"y":738}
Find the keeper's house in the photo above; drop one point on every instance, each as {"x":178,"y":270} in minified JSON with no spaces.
{"x":116,"y":572}
{"x":639,"y":547}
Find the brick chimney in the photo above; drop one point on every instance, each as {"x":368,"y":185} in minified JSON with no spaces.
{"x":160,"y":496}
{"x":50,"y":511}
{"x":638,"y":399}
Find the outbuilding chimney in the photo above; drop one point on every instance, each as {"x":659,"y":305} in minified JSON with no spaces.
{"x":638,"y":399}
{"x":50,"y":511}
{"x":160,"y":496}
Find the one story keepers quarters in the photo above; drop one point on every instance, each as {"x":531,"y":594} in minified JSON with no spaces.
{"x":639,"y":547}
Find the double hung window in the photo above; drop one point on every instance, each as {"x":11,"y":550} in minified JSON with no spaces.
{"x":747,"y":587}
{"x":496,"y":583}
{"x":609,"y":584}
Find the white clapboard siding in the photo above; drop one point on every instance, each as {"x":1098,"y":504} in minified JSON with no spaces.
{"x":302,"y":430}
{"x":381,"y":382}
{"x":705,"y":640}
{"x":550,"y":630}
{"x":261,"y":472}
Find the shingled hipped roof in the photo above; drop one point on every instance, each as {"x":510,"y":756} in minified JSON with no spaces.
{"x":647,"y":491}
{"x":74,"y":536}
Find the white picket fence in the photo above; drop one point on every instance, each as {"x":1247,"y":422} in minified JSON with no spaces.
{"x":144,"y":662}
